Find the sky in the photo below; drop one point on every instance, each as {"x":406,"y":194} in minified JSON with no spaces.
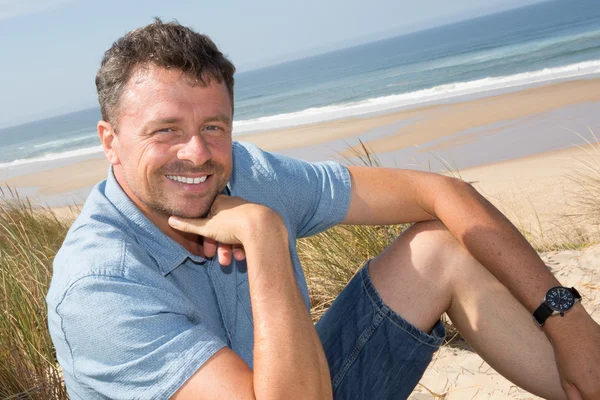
{"x":50,"y":50}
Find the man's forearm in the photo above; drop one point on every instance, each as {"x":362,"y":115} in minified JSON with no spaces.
{"x":495,"y":242}
{"x":288,"y":356}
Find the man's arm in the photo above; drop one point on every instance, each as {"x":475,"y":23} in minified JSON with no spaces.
{"x":289,"y":361}
{"x":391,"y":196}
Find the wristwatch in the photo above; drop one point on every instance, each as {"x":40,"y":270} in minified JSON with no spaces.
{"x":558,"y":300}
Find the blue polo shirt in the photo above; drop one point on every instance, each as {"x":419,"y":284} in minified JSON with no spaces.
{"x":133,"y":315}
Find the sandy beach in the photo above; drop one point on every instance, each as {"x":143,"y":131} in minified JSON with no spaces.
{"x":432,"y":132}
{"x":521,"y":150}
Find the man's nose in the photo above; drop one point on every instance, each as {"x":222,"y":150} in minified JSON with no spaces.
{"x":196,"y":150}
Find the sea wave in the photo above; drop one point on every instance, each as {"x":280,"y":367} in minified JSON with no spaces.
{"x":437,"y":93}
{"x":369,"y":106}
{"x":53,"y":156}
{"x":68,"y":140}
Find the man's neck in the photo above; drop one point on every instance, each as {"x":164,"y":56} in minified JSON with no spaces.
{"x":190,"y":242}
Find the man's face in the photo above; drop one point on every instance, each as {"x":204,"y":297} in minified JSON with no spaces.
{"x":171,"y":152}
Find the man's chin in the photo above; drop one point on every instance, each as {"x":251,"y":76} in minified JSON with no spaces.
{"x":185,"y":206}
{"x":181,"y":212}
{"x":189,"y":214}
{"x":185,"y":211}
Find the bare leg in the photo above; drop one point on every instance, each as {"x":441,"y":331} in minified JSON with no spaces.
{"x":426,"y":272}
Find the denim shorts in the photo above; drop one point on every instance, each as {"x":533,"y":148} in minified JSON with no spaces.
{"x":373,"y":353}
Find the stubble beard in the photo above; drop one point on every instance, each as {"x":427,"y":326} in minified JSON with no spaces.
{"x":168,"y":205}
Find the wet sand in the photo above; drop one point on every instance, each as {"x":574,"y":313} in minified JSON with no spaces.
{"x":459,"y":135}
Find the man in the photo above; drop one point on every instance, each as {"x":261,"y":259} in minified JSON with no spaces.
{"x":180,"y":277}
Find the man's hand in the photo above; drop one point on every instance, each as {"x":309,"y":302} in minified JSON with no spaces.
{"x":576,"y":342}
{"x":224,"y":251}
{"x":289,"y":361}
{"x":228,"y":225}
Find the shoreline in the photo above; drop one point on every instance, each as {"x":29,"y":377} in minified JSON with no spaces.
{"x":425,"y":118}
{"x":457,"y":136}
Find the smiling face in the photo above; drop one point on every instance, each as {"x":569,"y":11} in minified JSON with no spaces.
{"x":171,"y":147}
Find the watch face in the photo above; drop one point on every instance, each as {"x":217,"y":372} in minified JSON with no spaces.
{"x":560,"y":299}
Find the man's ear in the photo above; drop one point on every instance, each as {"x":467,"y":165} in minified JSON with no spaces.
{"x":107,"y":138}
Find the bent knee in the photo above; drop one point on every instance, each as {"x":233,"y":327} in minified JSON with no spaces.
{"x":414,"y":274}
{"x":428,"y":246}
{"x":431,"y":235}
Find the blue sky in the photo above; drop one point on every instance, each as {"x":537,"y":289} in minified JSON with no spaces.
{"x":50,"y":49}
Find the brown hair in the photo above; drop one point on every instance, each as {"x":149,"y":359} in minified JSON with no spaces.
{"x":168,"y":45}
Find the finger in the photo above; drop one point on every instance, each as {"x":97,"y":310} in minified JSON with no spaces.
{"x":572,"y":392}
{"x":188,"y":225}
{"x":211,"y":228}
{"x":224,"y":251}
{"x":238,"y":252}
{"x":210,"y":247}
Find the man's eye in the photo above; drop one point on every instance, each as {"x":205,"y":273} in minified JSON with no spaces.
{"x":165,"y":130}
{"x":213,"y":130}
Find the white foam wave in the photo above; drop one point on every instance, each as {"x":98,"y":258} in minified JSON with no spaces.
{"x":60,"y":142}
{"x":438,"y":93}
{"x":320,"y":114}
{"x":53,"y":156}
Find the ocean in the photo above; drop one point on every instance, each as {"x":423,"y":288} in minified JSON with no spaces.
{"x":550,"y":41}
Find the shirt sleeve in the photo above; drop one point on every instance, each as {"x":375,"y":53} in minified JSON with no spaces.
{"x":316,"y":196}
{"x":129,"y":340}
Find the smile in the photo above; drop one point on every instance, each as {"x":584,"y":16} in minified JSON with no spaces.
{"x":186,"y":180}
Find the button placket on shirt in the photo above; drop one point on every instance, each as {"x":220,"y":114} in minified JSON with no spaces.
{"x":224,"y":282}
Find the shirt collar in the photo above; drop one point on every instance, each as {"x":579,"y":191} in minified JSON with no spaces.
{"x":167,"y":252}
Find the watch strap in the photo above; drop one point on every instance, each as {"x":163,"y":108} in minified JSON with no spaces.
{"x":542,"y":313}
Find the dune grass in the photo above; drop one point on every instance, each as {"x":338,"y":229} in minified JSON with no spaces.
{"x":29,"y":239}
{"x":331,"y":258}
{"x":587,"y":177}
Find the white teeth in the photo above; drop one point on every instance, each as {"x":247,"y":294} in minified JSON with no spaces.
{"x":189,"y":181}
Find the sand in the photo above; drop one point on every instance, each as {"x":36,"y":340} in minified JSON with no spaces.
{"x":62,"y":179}
{"x":541,"y":193}
{"x":454,"y":118}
